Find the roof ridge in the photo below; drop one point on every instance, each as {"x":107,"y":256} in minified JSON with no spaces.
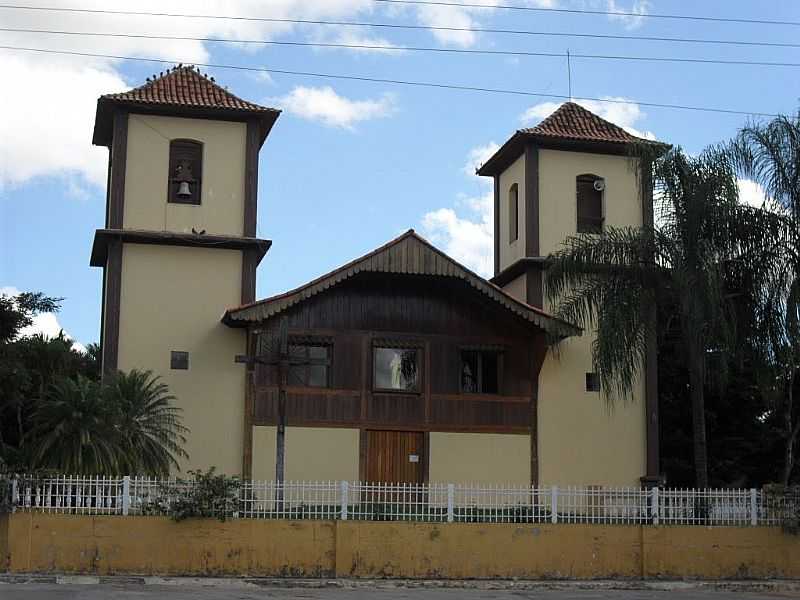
{"x":185,"y":85}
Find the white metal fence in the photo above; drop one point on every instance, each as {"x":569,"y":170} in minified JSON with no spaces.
{"x":433,"y":502}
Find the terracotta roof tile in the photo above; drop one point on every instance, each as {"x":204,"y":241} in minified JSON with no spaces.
{"x":573,"y":122}
{"x":185,"y":86}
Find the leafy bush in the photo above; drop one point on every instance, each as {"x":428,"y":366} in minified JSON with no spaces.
{"x":205,"y":495}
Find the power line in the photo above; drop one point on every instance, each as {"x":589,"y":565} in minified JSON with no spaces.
{"x":408,"y":48}
{"x":580,"y":11}
{"x":427,"y":84}
{"x":411,"y":27}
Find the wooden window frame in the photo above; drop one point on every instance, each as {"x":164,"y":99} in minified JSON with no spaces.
{"x":498,"y":352}
{"x":513,"y":213}
{"x":398,"y":345}
{"x":326,"y":362}
{"x":590,"y":225}
{"x":178,"y":149}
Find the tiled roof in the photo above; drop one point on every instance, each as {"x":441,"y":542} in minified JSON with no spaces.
{"x":572,"y":121}
{"x":185,"y":86}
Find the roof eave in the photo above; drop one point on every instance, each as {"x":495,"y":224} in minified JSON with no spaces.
{"x":103,"y":124}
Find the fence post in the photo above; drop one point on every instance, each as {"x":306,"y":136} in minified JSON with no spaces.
{"x":753,"y":507}
{"x":344,"y":490}
{"x":554,"y":504}
{"x":451,"y":500}
{"x":654,"y":505}
{"x":126,"y":494}
{"x":14,"y":494}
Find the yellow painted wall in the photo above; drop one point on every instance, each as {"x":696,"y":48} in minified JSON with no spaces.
{"x":321,"y":454}
{"x":581,"y":441}
{"x":172,"y":299}
{"x":147,"y":171}
{"x":312,"y":454}
{"x":515,"y":173}
{"x":156,"y":545}
{"x":480,"y":458}
{"x":264,"y":450}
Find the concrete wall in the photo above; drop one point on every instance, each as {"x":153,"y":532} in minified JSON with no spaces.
{"x":147,"y":171}
{"x":265,"y":443}
{"x":518,"y":288}
{"x":509,"y":252}
{"x":582,"y":441}
{"x":157,"y":545}
{"x":172,"y":299}
{"x":480,"y":458}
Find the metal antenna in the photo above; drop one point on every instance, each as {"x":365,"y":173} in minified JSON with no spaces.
{"x":569,"y":75}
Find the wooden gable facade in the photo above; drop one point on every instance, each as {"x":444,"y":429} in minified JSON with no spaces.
{"x":405,"y":299}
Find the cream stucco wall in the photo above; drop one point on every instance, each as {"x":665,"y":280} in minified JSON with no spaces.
{"x":582,"y":441}
{"x":222,"y":198}
{"x":172,"y":299}
{"x":480,"y":458}
{"x":518,"y":288}
{"x":315,"y":454}
{"x":312,"y":454}
{"x":515,"y":173}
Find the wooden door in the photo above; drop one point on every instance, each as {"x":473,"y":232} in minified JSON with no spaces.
{"x":395,"y":456}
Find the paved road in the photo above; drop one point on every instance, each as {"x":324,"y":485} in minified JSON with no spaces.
{"x":38,"y":591}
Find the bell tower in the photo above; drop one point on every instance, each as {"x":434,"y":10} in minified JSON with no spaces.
{"x":573,"y":173}
{"x":179,"y":246}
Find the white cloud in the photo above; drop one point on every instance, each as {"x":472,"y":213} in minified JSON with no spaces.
{"x":44,"y":323}
{"x":46,"y":120}
{"x":468,"y":237}
{"x":323,"y":104}
{"x":621,"y":112}
{"x":630,"y":21}
{"x":751,"y":193}
{"x":463,"y":17}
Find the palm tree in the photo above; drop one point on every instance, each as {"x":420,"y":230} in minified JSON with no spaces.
{"x":769,"y":154}
{"x":150,"y":425}
{"x":703,"y":238}
{"x":75,"y":430}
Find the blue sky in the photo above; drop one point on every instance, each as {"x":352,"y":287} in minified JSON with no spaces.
{"x":349,"y":164}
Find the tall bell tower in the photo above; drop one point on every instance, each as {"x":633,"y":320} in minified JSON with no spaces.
{"x":574,"y":173}
{"x":179,"y":246}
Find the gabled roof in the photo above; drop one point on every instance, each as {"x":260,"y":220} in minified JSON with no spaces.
{"x":408,"y":254}
{"x":181,"y":90}
{"x":574,"y":122}
{"x":570,"y":127}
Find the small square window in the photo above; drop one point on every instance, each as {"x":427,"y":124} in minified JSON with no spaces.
{"x":480,"y":372}
{"x":179,"y":360}
{"x":309,"y":365}
{"x":396,"y":369}
{"x":592,"y":382}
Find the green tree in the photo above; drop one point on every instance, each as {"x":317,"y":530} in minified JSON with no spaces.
{"x":702,"y":242}
{"x":152,"y":432}
{"x":75,"y":431}
{"x":769,"y":154}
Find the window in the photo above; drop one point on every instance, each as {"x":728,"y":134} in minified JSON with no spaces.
{"x":590,"y":203}
{"x":396,"y":369}
{"x":309,"y":365}
{"x":592,"y":382}
{"x":513,"y":213}
{"x":178,"y":360}
{"x":480,"y":372}
{"x":185,"y":171}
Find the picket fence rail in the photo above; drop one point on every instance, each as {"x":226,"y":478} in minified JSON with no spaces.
{"x":431,"y":502}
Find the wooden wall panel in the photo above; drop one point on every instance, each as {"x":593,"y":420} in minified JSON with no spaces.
{"x":397,"y":409}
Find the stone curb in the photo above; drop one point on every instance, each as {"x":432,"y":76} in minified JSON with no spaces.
{"x":261,"y":582}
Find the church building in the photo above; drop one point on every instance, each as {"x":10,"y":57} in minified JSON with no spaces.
{"x":400,"y":366}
